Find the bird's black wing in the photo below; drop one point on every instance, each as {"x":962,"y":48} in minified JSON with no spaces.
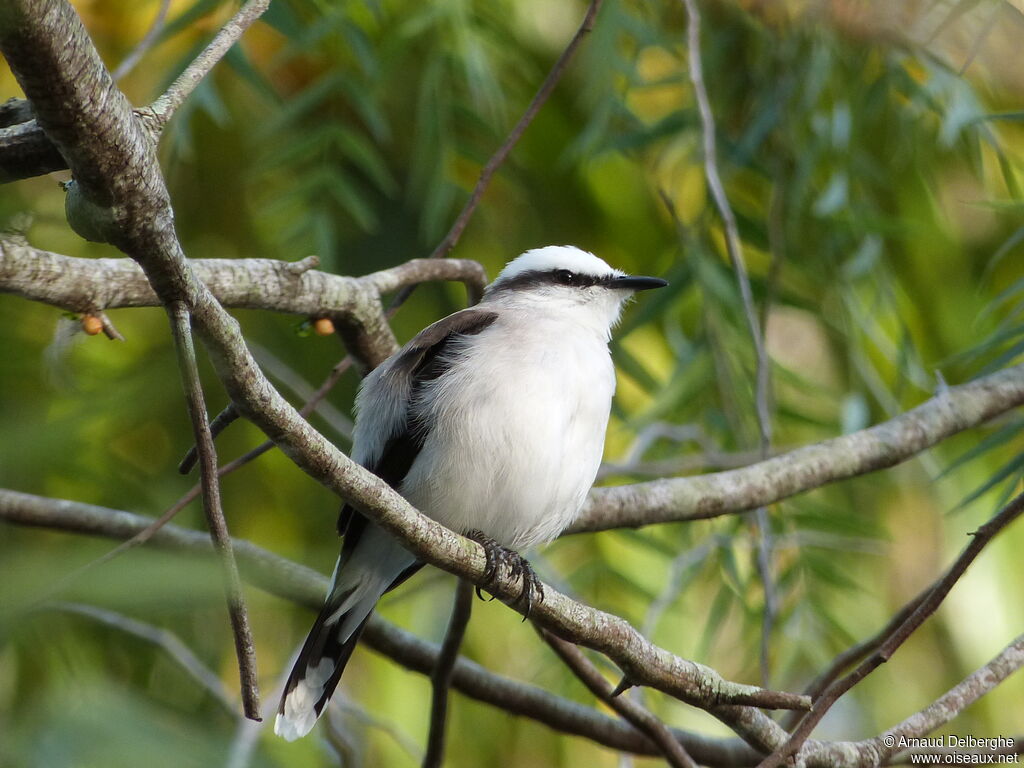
{"x":421,"y":360}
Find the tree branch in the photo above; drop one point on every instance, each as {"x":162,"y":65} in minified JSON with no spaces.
{"x":149,"y":39}
{"x":15,"y":111}
{"x":630,"y":711}
{"x":734,"y":247}
{"x":643,"y":662}
{"x":25,"y":151}
{"x":297,"y":583}
{"x":441,"y":677}
{"x":953,"y":410}
{"x":926,"y":608}
{"x":245,"y":649}
{"x":89,"y":285}
{"x":888,"y":746}
{"x":164,"y":639}
{"x":165,"y":107}
{"x":498,"y":158}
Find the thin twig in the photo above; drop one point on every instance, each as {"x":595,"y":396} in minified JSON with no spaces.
{"x":980,"y":538}
{"x":109,"y":329}
{"x":221,"y":421}
{"x":776,"y":249}
{"x":640,"y":717}
{"x":146,"y":533}
{"x":145,"y":43}
{"x":164,"y":639}
{"x":732,"y":238}
{"x":441,"y":677}
{"x":297,"y":384}
{"x":765,"y":545}
{"x":244,"y":647}
{"x":165,"y":106}
{"x":979,"y":41}
{"x":856,"y":653}
{"x":452,"y":238}
{"x":734,"y":247}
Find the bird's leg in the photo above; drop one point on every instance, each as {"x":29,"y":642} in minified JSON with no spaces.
{"x":518,"y":568}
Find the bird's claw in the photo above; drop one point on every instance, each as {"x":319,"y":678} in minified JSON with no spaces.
{"x":518,"y":568}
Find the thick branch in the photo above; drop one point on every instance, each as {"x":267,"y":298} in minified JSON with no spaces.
{"x":884,"y":445}
{"x":25,"y":151}
{"x":89,"y":285}
{"x":295,"y":582}
{"x":78,"y":105}
{"x":15,"y":111}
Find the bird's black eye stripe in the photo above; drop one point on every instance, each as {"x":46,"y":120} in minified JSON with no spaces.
{"x":568,"y":277}
{"x":534,"y":278}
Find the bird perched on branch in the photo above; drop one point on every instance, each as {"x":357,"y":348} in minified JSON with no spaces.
{"x":492,"y":422}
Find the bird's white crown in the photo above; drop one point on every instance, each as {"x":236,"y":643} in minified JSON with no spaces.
{"x":558,"y":257}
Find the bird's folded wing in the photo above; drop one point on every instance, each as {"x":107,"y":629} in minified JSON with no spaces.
{"x":387,"y":442}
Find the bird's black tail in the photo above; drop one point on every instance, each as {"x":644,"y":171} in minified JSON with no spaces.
{"x":316,"y":672}
{"x":324,"y":655}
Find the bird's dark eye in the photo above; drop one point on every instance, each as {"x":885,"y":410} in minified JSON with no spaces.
{"x":565,"y":277}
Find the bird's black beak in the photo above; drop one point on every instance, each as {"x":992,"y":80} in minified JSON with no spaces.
{"x":636,"y":283}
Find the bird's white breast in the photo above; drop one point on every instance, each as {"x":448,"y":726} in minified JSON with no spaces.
{"x":516,"y":430}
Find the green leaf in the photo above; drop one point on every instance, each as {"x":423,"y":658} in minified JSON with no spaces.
{"x":1015,"y":465}
{"x":1004,"y":434}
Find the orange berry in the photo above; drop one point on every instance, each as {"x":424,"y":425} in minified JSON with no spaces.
{"x":91,"y":324}
{"x":323,"y":326}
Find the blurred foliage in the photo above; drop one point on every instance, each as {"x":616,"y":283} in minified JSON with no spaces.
{"x":872,"y":152}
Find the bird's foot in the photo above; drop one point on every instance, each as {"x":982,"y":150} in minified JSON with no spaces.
{"x":518,"y":568}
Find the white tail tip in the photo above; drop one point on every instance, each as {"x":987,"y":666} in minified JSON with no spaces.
{"x":292,"y":728}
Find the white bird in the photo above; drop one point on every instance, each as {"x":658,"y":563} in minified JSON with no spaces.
{"x":490,"y":421}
